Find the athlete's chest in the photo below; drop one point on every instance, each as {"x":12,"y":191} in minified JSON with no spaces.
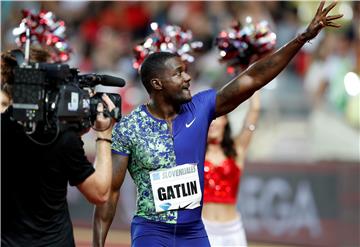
{"x":159,"y":145}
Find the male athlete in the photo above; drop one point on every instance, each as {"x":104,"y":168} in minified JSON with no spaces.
{"x":162,"y":143}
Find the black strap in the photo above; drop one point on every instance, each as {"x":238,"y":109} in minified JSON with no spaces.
{"x":103,"y":139}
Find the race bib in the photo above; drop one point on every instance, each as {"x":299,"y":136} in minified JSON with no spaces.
{"x":176,"y":188}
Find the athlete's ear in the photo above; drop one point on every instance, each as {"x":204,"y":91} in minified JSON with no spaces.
{"x":156,"y":84}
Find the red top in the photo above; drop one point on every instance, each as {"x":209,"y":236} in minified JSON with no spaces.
{"x":221,"y":181}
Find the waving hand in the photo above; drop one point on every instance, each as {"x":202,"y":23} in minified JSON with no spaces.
{"x":263,"y":71}
{"x":321,"y":20}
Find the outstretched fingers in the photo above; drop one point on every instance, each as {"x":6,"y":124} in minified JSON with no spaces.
{"x":321,"y":20}
{"x":320,"y":8}
{"x":331,"y":24}
{"x":334,"y":17}
{"x":328,"y":8}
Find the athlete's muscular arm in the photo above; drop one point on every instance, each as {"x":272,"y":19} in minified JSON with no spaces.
{"x":242,"y":140}
{"x":264,"y":70}
{"x":104,"y":214}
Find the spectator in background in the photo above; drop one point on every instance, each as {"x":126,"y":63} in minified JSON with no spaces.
{"x":224,"y":165}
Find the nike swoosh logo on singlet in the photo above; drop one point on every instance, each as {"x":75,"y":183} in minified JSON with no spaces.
{"x":185,"y":206}
{"x":187,"y":125}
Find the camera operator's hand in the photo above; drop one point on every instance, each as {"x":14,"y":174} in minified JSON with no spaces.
{"x":96,"y":187}
{"x":102,"y":122}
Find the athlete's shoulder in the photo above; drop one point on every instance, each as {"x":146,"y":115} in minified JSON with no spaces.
{"x":204,"y":94}
{"x":134,"y":115}
{"x":131,"y":120}
{"x":202,"y":99}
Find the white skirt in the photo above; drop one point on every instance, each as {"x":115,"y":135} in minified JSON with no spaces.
{"x":229,"y":233}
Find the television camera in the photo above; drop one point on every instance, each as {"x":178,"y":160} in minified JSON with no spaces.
{"x":55,"y":96}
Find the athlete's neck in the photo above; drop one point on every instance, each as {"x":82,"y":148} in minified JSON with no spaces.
{"x":162,"y":111}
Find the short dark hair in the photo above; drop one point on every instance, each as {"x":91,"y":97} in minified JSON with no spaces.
{"x":39,"y":54}
{"x":152,"y":66}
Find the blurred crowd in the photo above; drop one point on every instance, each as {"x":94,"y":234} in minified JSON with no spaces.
{"x":312,"y":106}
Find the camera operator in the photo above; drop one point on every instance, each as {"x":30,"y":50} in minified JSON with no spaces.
{"x":35,"y":177}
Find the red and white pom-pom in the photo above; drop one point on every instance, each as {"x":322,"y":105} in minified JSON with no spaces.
{"x":46,"y":31}
{"x":170,"y":38}
{"x":238,"y":44}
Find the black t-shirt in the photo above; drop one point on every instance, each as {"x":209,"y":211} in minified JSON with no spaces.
{"x":34,"y":180}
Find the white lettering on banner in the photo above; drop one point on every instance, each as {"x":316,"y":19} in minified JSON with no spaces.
{"x":304,"y":210}
{"x":176,"y":188}
{"x":275,"y":206}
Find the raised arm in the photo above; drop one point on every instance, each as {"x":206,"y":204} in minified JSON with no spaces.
{"x":266,"y":69}
{"x":242,"y":140}
{"x":104,"y":214}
